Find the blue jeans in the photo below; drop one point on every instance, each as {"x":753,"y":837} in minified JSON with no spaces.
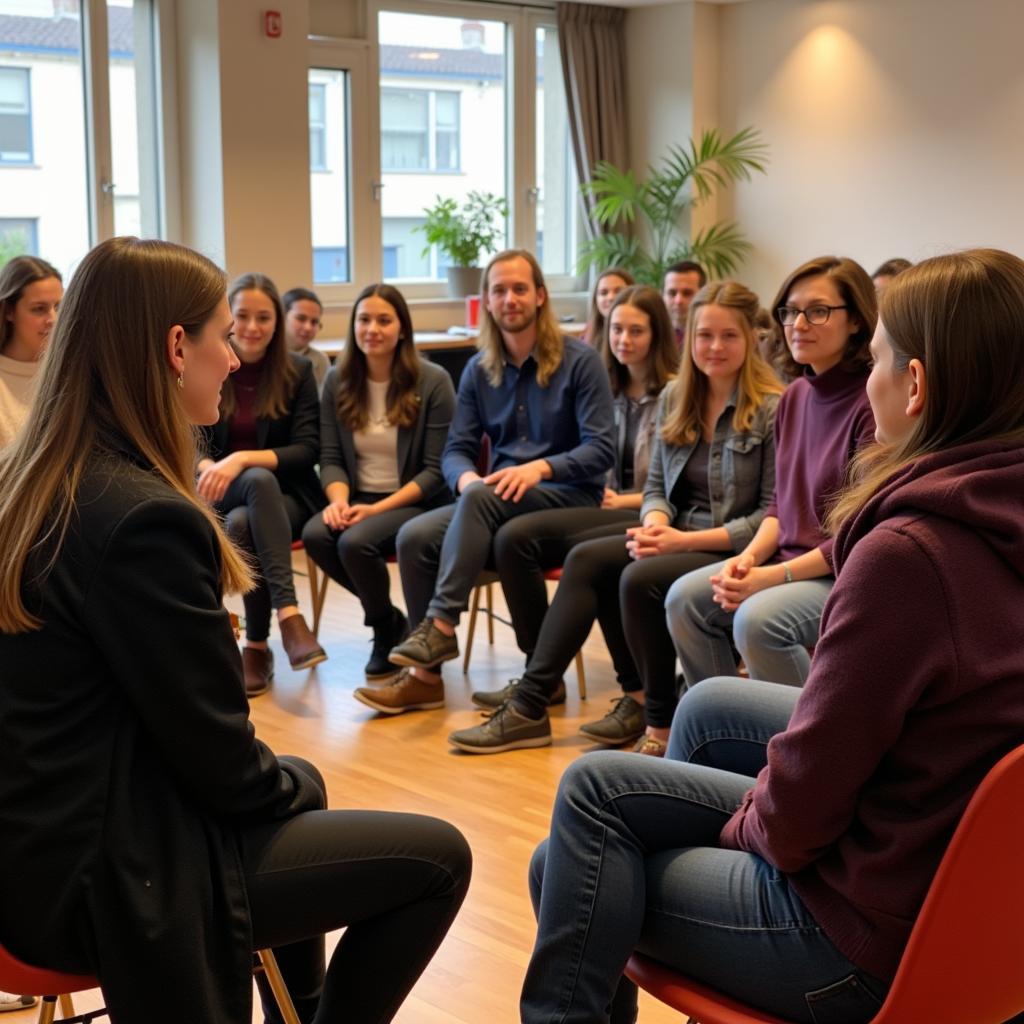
{"x":633,"y":863}
{"x":772,"y":629}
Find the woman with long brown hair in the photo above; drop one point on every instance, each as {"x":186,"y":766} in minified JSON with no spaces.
{"x":259,"y":472}
{"x":784,"y":862}
{"x":385,"y":414}
{"x":149,"y":838}
{"x":609,"y":283}
{"x":30,"y":292}
{"x":710,"y":477}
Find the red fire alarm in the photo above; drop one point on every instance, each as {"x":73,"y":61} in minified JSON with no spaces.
{"x":272,"y":24}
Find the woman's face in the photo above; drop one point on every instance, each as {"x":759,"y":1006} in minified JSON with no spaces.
{"x":208,"y":359}
{"x":607,"y":288}
{"x":889,"y":391}
{"x":377,"y":327}
{"x":719,"y":342}
{"x":32,"y":319}
{"x":629,"y":335}
{"x":819,"y":346}
{"x":255,"y":321}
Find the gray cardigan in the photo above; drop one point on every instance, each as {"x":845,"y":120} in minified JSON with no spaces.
{"x":741,"y":474}
{"x":419,"y":446}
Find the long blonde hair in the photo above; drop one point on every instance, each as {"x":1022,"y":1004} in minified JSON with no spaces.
{"x":549,"y":347}
{"x":106,"y":377}
{"x":687,"y":396}
{"x":962,"y":316}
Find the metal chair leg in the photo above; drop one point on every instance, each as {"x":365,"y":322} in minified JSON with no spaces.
{"x":268,"y":965}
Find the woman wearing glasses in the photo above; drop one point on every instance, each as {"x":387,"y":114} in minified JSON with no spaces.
{"x":768,"y":599}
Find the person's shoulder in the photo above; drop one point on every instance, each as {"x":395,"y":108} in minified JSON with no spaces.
{"x":303,"y":364}
{"x":433,"y":375}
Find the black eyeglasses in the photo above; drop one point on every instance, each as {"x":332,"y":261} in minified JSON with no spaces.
{"x":816,"y":315}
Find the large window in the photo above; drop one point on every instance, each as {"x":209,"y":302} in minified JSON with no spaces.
{"x":450,"y":98}
{"x":15,"y":116}
{"x":79,"y":140}
{"x":419,"y":130}
{"x":19,"y":236}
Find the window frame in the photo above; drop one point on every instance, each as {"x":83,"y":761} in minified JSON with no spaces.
{"x":430,"y":131}
{"x":30,"y":156}
{"x":361,"y":58}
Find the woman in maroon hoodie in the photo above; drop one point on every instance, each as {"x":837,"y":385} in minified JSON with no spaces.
{"x":798,"y":895}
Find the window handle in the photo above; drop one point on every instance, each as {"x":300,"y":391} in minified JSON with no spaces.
{"x":376,"y":189}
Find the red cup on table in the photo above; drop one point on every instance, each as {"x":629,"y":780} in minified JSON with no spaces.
{"x":473,"y":311}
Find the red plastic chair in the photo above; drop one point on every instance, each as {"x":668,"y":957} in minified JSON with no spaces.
{"x":17,"y":976}
{"x":965,"y":958}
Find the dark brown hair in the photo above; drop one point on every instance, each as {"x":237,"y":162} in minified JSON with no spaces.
{"x":962,"y":317}
{"x":596,"y":321}
{"x":663,"y":356}
{"x":17,"y":274}
{"x":858,"y":295}
{"x":279,"y":377}
{"x":403,"y":403}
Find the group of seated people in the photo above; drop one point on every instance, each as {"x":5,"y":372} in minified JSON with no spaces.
{"x":831,"y":495}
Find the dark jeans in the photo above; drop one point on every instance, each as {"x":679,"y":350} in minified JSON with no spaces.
{"x":633,"y":862}
{"x":394,"y":881}
{"x":357,"y":557}
{"x":527,"y":546}
{"x":263,"y":521}
{"x":600,"y":581}
{"x":441,"y":553}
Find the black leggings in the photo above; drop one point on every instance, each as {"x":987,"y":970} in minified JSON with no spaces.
{"x":600,"y":581}
{"x":394,"y":881}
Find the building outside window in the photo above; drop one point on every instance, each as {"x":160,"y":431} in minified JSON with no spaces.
{"x":15,"y":116}
{"x":419,"y":130}
{"x":19,"y":236}
{"x":317,"y":126}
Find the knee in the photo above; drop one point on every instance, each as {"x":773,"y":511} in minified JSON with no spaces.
{"x":310,"y":770}
{"x":451,"y":853}
{"x":411,"y":541}
{"x":513,"y":543}
{"x":752,"y":625}
{"x":536,"y":875}
{"x":683,"y":596}
{"x":260,"y":482}
{"x":315,"y":533}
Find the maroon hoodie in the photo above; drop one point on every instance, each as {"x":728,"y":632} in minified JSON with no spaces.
{"x":915,"y":691}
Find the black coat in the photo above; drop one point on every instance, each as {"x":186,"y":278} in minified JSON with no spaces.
{"x":293,"y":437}
{"x":128,"y":764}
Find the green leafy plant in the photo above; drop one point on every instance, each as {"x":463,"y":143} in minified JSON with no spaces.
{"x":464,"y":234}
{"x":13,"y":244}
{"x":650,"y":218}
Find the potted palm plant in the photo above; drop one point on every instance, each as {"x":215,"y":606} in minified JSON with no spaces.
{"x":649,"y":218}
{"x":463,"y":234}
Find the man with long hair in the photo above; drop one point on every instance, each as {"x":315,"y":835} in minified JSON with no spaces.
{"x":543,"y":402}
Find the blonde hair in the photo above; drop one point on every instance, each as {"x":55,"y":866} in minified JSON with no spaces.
{"x":687,"y":397}
{"x":962,"y":317}
{"x":549,"y":348}
{"x":106,"y":378}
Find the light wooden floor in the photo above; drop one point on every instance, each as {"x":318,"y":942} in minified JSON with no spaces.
{"x":502,"y":803}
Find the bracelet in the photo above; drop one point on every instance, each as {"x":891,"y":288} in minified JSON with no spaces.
{"x":789,"y":572}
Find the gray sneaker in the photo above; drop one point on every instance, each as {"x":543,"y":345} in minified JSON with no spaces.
{"x":425,"y":647}
{"x":488,"y":700}
{"x":623,"y":724}
{"x":505,"y":729}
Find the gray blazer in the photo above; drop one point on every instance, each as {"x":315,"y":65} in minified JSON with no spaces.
{"x":741,"y":474}
{"x":419,"y":446}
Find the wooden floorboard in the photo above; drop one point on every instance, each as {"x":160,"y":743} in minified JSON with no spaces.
{"x":501,"y":803}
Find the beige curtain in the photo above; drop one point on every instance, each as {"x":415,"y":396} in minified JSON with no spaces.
{"x":592,"y":45}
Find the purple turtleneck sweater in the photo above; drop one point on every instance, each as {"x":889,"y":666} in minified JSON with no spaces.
{"x":821,"y":422}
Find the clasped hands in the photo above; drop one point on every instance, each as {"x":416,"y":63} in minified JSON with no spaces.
{"x":739,"y":579}
{"x":340,"y":515}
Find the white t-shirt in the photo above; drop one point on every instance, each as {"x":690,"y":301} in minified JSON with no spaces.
{"x":377,"y":445}
{"x":18,"y":384}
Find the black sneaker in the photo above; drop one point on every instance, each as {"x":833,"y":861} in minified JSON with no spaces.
{"x":488,"y":700}
{"x":506,"y":729}
{"x":425,"y":647}
{"x":384,"y":638}
{"x":623,"y":724}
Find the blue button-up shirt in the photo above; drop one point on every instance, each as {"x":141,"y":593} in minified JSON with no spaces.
{"x":568,"y":423}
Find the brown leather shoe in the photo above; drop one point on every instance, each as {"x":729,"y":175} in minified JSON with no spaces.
{"x":299,"y":643}
{"x":406,"y":693}
{"x":258,"y":669}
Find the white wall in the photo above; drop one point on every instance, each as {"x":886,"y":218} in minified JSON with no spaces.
{"x":894,"y":126}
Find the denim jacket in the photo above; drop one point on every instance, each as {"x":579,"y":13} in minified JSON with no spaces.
{"x":741,"y":474}
{"x":642,"y":445}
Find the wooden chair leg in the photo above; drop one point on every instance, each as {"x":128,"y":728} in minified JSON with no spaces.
{"x":317,"y":591}
{"x":474,"y":608}
{"x":581,"y":675}
{"x":268,"y":965}
{"x":67,"y":1007}
{"x":490,"y":614}
{"x":48,"y":1009}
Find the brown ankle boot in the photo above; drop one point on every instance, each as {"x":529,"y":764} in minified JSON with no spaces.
{"x":299,"y":643}
{"x":258,"y":669}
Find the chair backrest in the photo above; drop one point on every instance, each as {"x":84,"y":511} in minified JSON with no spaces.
{"x":965,"y":957}
{"x":17,"y":976}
